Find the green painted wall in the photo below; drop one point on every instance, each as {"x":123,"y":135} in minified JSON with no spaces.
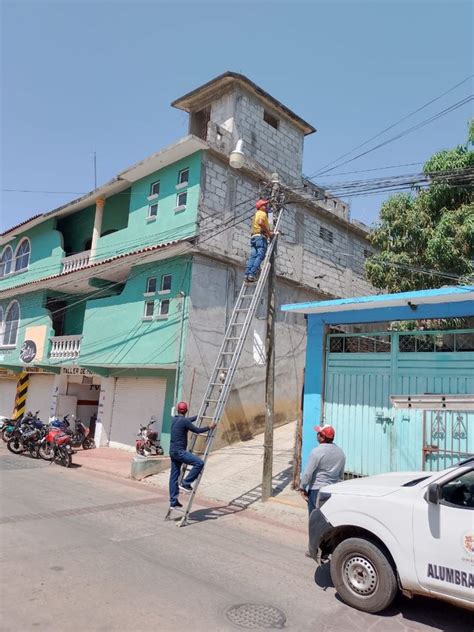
{"x":77,"y":229}
{"x":32,"y":314}
{"x":45,"y":257}
{"x":168,"y":225}
{"x":74,"y":318}
{"x":114,"y":331}
{"x":126,"y":212}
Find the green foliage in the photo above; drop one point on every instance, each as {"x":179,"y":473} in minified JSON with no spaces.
{"x":432,"y":229}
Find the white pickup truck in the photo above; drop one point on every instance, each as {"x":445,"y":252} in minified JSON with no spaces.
{"x":412,"y":531}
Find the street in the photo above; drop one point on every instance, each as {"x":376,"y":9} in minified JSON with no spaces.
{"x":86,"y":551}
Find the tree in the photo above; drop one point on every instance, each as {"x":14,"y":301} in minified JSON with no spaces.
{"x":425,"y":239}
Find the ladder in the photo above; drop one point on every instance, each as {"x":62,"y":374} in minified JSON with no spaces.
{"x":222,"y":376}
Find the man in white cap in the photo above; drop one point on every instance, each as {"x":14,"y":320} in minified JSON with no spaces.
{"x":325,"y":466}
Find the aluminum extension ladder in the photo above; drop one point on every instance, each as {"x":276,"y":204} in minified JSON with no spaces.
{"x":222,"y":376}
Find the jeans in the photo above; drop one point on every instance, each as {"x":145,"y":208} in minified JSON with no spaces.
{"x":258,"y":249}
{"x":312,"y":498}
{"x":177,"y":460}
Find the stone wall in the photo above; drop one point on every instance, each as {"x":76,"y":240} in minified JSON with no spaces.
{"x":315,"y":251}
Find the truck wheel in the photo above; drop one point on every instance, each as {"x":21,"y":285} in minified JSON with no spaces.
{"x":362,"y":575}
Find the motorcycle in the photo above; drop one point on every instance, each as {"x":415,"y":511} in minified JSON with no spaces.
{"x":56,"y":446}
{"x":7,"y":426}
{"x":26,"y":436}
{"x":81,"y":434}
{"x":148,"y":441}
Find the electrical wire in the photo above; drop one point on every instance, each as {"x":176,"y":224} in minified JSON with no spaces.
{"x":388,"y":128}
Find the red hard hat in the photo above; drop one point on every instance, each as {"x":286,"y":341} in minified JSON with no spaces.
{"x":326,"y":431}
{"x":182,"y":407}
{"x":261,"y":203}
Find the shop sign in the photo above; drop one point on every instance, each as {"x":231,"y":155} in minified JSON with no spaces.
{"x":28,"y":351}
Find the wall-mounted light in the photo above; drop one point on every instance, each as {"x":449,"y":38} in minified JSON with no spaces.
{"x":237,"y":157}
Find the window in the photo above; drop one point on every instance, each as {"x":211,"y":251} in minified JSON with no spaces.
{"x":181,"y":199}
{"x":270,"y":119}
{"x":6,"y":262}
{"x":151,"y":285}
{"x":183,"y":176}
{"x":155,"y":188}
{"x":149,"y":309}
{"x":326,"y":234}
{"x":166,"y":282}
{"x":164,"y":307}
{"x":152,"y":211}
{"x":460,"y":491}
{"x":22,"y":255}
{"x":12,"y":319}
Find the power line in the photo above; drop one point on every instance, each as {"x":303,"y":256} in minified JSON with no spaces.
{"x":386,"y":129}
{"x":405,"y":132}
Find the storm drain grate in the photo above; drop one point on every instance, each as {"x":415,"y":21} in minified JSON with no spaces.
{"x":256,"y":615}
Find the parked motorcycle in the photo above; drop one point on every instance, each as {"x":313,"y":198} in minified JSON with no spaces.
{"x":56,"y":446}
{"x":7,"y":426}
{"x":148,"y":441}
{"x":80,"y":435}
{"x":26,"y":435}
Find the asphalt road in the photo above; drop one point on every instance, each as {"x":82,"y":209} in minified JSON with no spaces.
{"x":82,"y":551}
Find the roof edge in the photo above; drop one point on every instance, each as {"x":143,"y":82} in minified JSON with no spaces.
{"x":183,"y":103}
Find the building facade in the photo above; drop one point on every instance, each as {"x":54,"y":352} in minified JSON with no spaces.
{"x":399,"y":400}
{"x":115,"y":304}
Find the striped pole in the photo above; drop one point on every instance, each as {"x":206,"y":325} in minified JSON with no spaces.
{"x":20,"y":398}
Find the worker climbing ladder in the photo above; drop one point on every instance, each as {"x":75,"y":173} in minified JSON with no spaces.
{"x":222,"y":376}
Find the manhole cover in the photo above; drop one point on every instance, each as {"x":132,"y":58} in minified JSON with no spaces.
{"x":256,"y":615}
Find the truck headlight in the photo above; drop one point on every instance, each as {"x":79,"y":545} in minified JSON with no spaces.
{"x":322,"y":498}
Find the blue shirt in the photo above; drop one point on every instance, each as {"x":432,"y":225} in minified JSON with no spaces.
{"x":180,"y":426}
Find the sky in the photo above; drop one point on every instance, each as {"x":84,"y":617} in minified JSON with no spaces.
{"x":85,"y":77}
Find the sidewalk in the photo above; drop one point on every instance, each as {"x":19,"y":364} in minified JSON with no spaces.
{"x":232,"y":477}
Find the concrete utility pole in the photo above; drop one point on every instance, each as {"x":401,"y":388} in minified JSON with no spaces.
{"x":267,"y":473}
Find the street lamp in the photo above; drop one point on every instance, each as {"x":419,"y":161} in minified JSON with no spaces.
{"x":237,"y":157}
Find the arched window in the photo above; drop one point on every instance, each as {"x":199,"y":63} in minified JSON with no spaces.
{"x":6,"y":261}
{"x":22,"y":255}
{"x":12,"y":320}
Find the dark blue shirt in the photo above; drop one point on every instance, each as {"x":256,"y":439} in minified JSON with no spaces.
{"x":180,"y":426}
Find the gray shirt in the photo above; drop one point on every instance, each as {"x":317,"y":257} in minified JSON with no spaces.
{"x":325,"y":466}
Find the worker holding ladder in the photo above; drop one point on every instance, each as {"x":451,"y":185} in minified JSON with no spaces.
{"x":180,"y":426}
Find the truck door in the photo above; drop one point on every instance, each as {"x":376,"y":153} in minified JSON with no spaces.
{"x":443,"y":530}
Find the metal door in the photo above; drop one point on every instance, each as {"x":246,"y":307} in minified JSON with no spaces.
{"x":447,"y":438}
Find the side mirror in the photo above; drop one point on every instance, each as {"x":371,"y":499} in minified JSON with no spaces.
{"x":433,"y":494}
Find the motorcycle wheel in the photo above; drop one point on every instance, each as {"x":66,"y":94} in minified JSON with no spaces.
{"x":6,"y":434}
{"x":15,"y":445}
{"x":88,"y":444}
{"x":63,"y":457}
{"x":46,"y":452}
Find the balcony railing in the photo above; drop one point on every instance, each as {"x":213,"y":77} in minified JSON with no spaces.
{"x":65,"y":347}
{"x":76,"y":262}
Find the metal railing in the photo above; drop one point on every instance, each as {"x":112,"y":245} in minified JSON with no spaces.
{"x":65,"y":347}
{"x":76,"y":262}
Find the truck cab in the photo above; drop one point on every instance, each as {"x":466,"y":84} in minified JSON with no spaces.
{"x":408,"y":531}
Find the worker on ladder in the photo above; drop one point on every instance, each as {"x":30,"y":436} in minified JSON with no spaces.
{"x":261,"y":233}
{"x":180,"y":426}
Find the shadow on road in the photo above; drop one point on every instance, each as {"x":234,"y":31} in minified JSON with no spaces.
{"x":245,"y":500}
{"x":420,"y":610}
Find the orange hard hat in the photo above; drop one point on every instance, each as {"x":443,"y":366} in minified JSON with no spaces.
{"x":261,"y":203}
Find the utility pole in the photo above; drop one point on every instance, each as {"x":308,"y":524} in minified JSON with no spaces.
{"x":276,"y":203}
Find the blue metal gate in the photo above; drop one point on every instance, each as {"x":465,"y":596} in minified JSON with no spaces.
{"x":364,"y":370}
